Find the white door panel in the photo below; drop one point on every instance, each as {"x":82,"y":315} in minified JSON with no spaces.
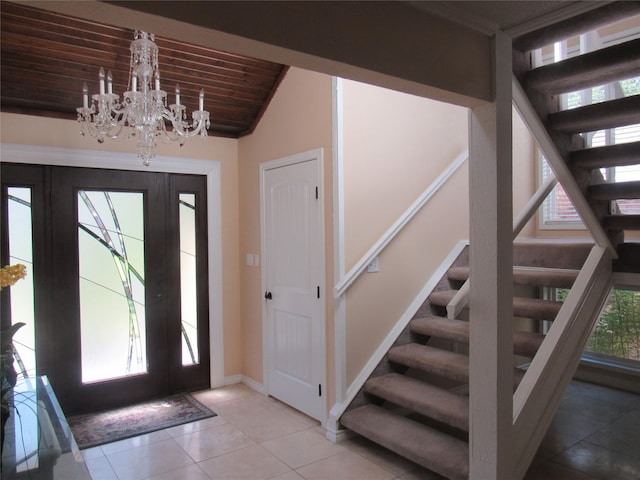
{"x":293,"y":263}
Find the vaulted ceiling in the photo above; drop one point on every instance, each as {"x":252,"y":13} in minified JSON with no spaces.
{"x":45,"y":58}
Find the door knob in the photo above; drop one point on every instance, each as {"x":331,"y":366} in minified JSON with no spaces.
{"x":268,"y":295}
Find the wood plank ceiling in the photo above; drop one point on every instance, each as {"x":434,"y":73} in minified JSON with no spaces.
{"x":45,"y":58}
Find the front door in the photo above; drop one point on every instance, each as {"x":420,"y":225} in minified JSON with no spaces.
{"x":293,"y":262}
{"x":119,"y":280}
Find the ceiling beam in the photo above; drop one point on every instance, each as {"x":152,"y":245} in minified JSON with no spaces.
{"x":388,"y":44}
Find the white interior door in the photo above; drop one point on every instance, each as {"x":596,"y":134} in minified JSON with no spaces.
{"x":293,"y":264}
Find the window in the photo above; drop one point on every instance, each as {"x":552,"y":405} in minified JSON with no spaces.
{"x":616,"y":337}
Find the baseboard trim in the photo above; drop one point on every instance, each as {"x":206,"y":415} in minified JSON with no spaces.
{"x":255,"y":386}
{"x":232,"y":379}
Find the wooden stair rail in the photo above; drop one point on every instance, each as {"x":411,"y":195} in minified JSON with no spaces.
{"x":536,"y":400}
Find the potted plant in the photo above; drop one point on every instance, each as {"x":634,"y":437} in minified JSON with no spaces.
{"x":9,"y":275}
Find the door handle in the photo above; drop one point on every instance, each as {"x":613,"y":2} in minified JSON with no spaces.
{"x":268,"y":295}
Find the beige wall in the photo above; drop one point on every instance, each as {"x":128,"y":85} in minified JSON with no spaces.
{"x":298,"y":120}
{"x":66,"y":134}
{"x":395,"y":145}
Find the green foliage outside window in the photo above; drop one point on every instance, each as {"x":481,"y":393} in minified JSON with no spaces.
{"x":617,"y":332}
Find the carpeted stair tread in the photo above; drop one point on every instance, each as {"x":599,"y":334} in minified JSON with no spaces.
{"x":537,"y":277}
{"x":614,"y":191}
{"x":599,"y":116}
{"x":524,"y":343}
{"x":438,"y":362}
{"x":434,"y":450}
{"x":533,"y":308}
{"x":551,"y":253}
{"x":433,"y":402}
{"x":432,"y":360}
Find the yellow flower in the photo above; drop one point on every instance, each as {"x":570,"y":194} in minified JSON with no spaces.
{"x":10,"y":274}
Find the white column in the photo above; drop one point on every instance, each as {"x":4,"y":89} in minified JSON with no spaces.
{"x":490,"y":298}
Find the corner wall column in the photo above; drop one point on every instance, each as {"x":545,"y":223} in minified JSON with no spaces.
{"x":491,"y":297}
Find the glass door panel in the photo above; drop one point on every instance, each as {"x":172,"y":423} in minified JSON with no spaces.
{"x":22,"y":299}
{"x":188,"y":283}
{"x":111,"y":282}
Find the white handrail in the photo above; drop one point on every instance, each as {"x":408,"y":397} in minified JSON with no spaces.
{"x":559,"y":167}
{"x":460,"y":299}
{"x":404,"y":219}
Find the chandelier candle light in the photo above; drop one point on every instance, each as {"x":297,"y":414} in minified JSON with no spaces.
{"x":143,"y":110}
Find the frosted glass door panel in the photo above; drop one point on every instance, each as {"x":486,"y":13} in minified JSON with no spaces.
{"x":112,"y":289}
{"x":188,"y":291}
{"x":22,"y":294}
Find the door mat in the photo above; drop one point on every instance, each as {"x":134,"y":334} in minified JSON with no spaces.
{"x":93,"y":429}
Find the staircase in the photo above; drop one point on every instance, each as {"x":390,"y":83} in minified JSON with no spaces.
{"x":416,"y":401}
{"x":568,"y":128}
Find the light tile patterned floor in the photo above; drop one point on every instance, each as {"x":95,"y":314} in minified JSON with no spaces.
{"x":255,"y":437}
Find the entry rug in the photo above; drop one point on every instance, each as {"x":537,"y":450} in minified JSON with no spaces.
{"x":93,"y":429}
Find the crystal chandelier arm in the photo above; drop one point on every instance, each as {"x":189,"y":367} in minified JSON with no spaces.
{"x":143,"y":108}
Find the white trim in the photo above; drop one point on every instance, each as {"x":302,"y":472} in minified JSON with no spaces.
{"x":338,"y":409}
{"x":399,"y":224}
{"x":340,"y":313}
{"x":310,"y":155}
{"x":33,"y":154}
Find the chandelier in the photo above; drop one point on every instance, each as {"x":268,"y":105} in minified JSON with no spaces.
{"x":143,"y":112}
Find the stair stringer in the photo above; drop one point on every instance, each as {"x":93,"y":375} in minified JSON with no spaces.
{"x":378,"y":364}
{"x":538,"y":396}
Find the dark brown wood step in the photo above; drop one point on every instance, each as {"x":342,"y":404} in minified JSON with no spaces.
{"x":614,"y":191}
{"x":600,"y":67}
{"x":599,"y":116}
{"x":619,"y":155}
{"x":575,"y":25}
{"x":621,"y":222}
{"x":533,"y":308}
{"x":524,"y":343}
{"x":537,"y":277}
{"x":434,"y":450}
{"x":442,"y":405}
{"x":628,"y":258}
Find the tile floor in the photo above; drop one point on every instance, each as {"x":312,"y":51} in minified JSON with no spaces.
{"x":596,"y":435}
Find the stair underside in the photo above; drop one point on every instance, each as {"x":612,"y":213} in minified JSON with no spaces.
{"x":614,"y":191}
{"x":524,"y":343}
{"x":433,"y":402}
{"x":536,"y":277}
{"x":622,"y":222}
{"x":602,"y":66}
{"x":599,"y":116}
{"x":619,"y":155}
{"x":533,"y":308}
{"x":423,"y":445}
